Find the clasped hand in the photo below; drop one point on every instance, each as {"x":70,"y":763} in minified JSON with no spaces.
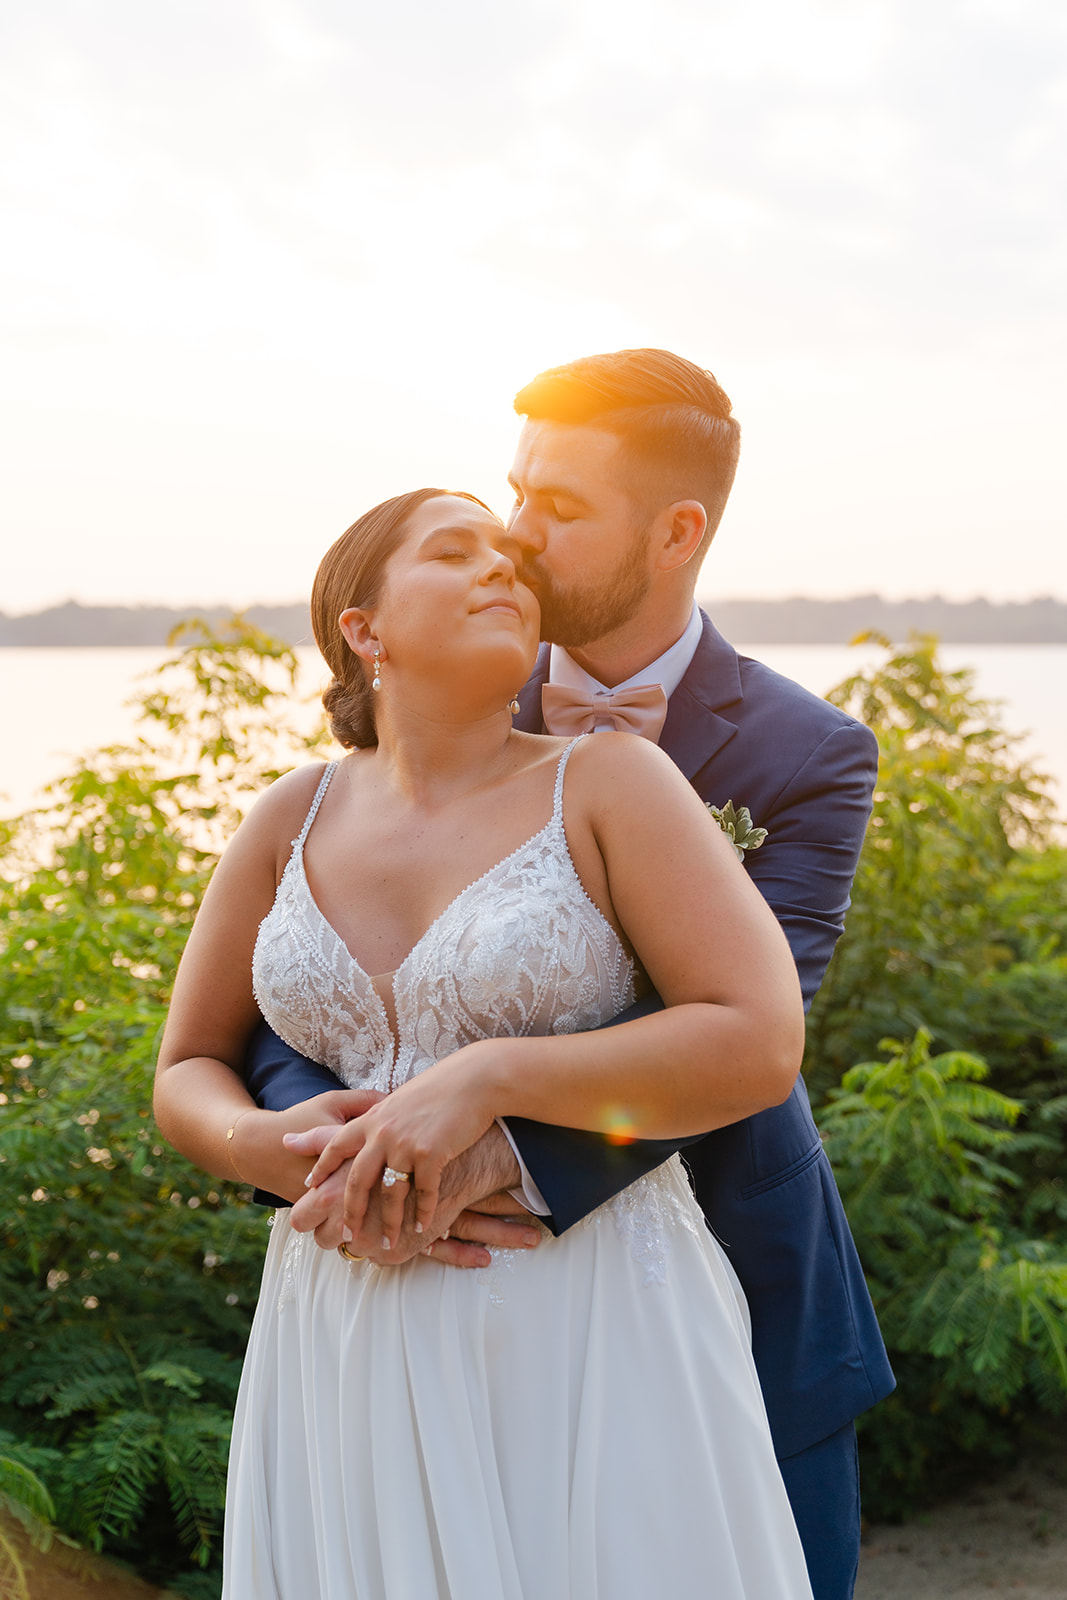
{"x":440,"y":1128}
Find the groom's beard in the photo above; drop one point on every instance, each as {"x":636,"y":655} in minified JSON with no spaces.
{"x":576,"y":615}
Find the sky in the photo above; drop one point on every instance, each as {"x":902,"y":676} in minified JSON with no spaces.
{"x":271,"y":261}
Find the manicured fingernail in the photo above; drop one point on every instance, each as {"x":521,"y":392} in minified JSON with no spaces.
{"x":307,"y":1181}
{"x":531,"y":1239}
{"x":385,"y":1243}
{"x":446,"y":1233}
{"x":418,"y":1227}
{"x":346,"y":1234}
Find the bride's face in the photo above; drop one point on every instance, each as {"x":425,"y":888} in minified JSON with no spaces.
{"x":452,"y":596}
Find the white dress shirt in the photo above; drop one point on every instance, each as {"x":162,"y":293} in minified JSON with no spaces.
{"x":667,"y":670}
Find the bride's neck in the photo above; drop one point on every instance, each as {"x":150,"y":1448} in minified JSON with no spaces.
{"x":432,"y":762}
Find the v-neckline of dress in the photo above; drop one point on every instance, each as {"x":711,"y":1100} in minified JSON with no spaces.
{"x":389,"y":1010}
{"x":373,"y":979}
{"x":389,"y":1017}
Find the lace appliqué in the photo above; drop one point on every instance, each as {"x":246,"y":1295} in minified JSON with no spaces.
{"x":649,"y":1213}
{"x":302,"y":975}
{"x":292,"y":1257}
{"x":501,"y":1268}
{"x":521,"y":951}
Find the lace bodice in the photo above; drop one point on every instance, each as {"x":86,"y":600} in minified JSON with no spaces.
{"x":522,"y":950}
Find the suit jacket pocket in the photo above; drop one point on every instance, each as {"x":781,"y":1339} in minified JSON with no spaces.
{"x":801,"y":1164}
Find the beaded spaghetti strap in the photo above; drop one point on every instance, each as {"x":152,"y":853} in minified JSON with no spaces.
{"x":557,"y":793}
{"x":324,"y":783}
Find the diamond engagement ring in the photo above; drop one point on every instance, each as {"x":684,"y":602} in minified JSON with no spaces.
{"x":391,"y":1176}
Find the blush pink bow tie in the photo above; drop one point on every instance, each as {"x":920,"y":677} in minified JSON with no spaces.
{"x":641,"y":710}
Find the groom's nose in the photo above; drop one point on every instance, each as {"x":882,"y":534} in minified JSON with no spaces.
{"x":527,"y":530}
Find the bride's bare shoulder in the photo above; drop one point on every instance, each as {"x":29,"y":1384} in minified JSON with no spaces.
{"x":278,"y":814}
{"x":619,"y":773}
{"x":622,"y":757}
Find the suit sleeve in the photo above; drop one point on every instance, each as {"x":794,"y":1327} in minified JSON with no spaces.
{"x":277,"y":1077}
{"x":804,"y":870}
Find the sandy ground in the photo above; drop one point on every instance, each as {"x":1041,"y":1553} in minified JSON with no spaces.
{"x":1007,"y":1538}
{"x":64,"y":1574}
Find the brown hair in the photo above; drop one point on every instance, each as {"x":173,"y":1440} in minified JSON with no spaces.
{"x":673,"y":418}
{"x":351,"y":573}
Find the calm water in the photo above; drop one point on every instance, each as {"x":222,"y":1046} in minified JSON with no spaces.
{"x":57,"y":703}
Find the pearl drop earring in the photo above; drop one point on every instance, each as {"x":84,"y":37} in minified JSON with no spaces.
{"x":376,"y":681}
{"x":513,"y":706}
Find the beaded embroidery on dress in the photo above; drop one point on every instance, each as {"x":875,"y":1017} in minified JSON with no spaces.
{"x":521,"y":950}
{"x":488,"y":1434}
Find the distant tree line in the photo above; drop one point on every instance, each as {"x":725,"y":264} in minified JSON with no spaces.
{"x":82,"y":626}
{"x":794,"y":621}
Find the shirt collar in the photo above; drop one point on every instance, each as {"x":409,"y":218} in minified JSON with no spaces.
{"x":668,"y":670}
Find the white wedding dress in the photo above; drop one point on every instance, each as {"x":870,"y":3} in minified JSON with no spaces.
{"x":581,"y":1420}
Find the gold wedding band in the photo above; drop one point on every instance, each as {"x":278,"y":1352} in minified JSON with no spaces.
{"x":343,"y":1250}
{"x":391,"y":1176}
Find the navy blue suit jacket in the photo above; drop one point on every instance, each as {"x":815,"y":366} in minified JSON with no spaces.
{"x":806,"y":771}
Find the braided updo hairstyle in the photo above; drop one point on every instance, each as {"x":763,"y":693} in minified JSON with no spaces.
{"x":351,"y":574}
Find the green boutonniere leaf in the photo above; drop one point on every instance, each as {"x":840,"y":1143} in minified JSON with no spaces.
{"x":736,"y":823}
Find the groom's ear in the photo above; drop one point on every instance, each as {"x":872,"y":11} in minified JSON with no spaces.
{"x":680,"y":528}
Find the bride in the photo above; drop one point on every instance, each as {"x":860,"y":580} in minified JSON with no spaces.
{"x":445,"y":916}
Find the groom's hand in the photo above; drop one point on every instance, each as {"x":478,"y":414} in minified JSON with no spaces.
{"x":474,"y":1179}
{"x":481,"y":1178}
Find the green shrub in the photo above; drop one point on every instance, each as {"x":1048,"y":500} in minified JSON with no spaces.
{"x":972,"y":1309}
{"x":127,"y":1276}
{"x":951,"y":1166}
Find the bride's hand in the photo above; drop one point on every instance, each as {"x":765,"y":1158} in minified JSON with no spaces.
{"x":416,"y":1131}
{"x":259,"y":1153}
{"x":471,"y":1217}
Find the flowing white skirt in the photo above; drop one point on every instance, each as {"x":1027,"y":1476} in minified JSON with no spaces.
{"x":577,"y":1422}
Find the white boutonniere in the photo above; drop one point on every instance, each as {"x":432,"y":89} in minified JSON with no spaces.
{"x":736,"y":823}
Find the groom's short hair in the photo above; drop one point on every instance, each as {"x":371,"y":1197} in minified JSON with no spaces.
{"x":673,"y":419}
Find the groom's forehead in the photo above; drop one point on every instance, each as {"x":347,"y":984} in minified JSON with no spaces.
{"x":565,"y":458}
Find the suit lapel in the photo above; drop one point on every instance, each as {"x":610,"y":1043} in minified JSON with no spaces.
{"x":703,"y":711}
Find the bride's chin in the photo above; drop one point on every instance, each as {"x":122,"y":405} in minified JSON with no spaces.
{"x":508,"y":665}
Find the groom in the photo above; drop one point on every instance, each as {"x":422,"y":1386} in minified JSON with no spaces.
{"x":622,"y":472}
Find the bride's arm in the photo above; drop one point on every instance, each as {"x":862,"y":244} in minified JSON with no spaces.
{"x":200,"y":1101}
{"x":728,"y":1044}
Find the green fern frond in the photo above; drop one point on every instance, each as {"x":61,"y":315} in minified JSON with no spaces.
{"x":194,"y":1464}
{"x":94,"y":1392}
{"x":118,"y":1462}
{"x":23,"y":1495}
{"x":67,"y":1360}
{"x":173,"y":1376}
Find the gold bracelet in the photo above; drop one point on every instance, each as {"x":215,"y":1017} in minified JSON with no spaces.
{"x":230,"y":1131}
